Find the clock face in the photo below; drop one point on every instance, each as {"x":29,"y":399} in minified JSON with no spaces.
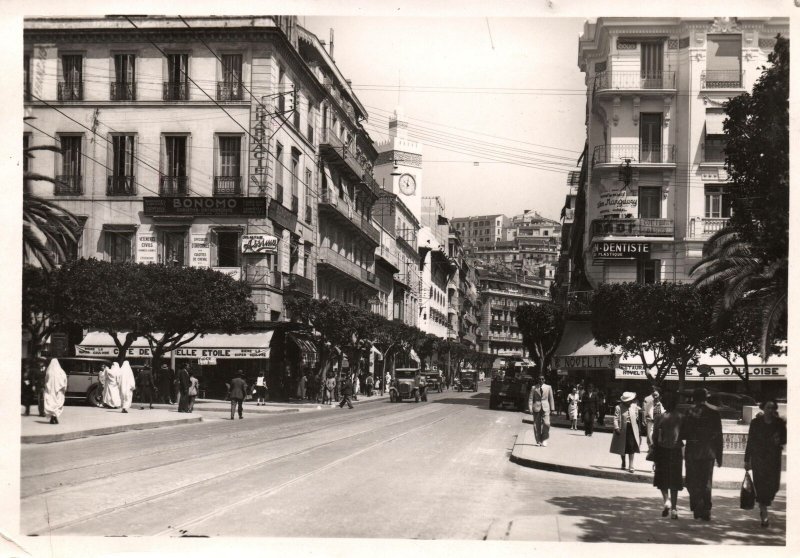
{"x":407,"y":184}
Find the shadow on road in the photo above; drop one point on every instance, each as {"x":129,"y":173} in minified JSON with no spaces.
{"x":476,"y":400}
{"x":621,"y":519}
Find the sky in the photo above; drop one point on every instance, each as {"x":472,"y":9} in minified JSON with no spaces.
{"x":503,"y":92}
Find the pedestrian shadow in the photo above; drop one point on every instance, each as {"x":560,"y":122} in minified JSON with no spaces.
{"x":473,"y":401}
{"x":621,"y":519}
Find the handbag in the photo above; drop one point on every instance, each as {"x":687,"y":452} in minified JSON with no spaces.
{"x":747,"y":495}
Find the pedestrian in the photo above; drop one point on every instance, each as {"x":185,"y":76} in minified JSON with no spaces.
{"x":652,"y":408}
{"x":146,"y":386}
{"x":765,"y":441}
{"x":387,"y":381}
{"x":356,"y":387}
{"x":347,"y":391}
{"x":55,"y":389}
{"x":541,"y":404}
{"x":261,"y":389}
{"x":27,"y":392}
{"x":194,"y":389}
{"x":572,"y":408}
{"x":702,"y":430}
{"x":369,"y":382}
{"x":183,"y":389}
{"x":238,"y":392}
{"x":301,"y":386}
{"x":127,"y":384}
{"x":667,"y":455}
{"x":38,"y":385}
{"x":111,"y":392}
{"x":330,"y":385}
{"x":175,"y":386}
{"x":589,"y":408}
{"x":601,"y":407}
{"x":165,"y":375}
{"x":625,"y":440}
{"x":102,"y":376}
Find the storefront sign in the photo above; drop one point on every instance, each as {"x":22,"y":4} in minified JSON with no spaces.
{"x":235,"y":272}
{"x":200,"y":251}
{"x":595,"y":362}
{"x":717,"y":373}
{"x":621,"y":250}
{"x":259,"y":244}
{"x":207,"y":361}
{"x":183,"y":352}
{"x":617,"y":202}
{"x":146,"y":248}
{"x":195,"y":206}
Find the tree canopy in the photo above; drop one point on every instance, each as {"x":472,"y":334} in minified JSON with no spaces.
{"x":541,"y":326}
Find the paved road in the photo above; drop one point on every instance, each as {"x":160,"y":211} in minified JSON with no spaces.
{"x":436,"y":470}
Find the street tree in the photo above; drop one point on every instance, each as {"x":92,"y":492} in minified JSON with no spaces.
{"x":542,"y":326}
{"x":749,"y":257}
{"x":39,"y":318}
{"x":665,"y":324}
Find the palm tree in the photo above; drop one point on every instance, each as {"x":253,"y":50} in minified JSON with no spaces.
{"x":729,"y":263}
{"x":47,"y":229}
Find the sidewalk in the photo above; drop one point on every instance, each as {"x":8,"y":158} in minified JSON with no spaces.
{"x":573,"y":453}
{"x":80,"y":421}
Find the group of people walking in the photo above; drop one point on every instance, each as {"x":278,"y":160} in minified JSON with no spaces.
{"x":584,"y":403}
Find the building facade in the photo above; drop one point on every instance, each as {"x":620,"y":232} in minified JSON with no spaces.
{"x":481,"y":231}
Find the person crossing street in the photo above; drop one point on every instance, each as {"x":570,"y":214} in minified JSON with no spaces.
{"x":541,"y":404}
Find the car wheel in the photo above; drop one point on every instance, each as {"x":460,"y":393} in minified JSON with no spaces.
{"x":95,"y":396}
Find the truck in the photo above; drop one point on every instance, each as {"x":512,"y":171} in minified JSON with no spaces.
{"x":512,"y":385}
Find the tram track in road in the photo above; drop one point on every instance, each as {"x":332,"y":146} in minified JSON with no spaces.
{"x":228,"y":474}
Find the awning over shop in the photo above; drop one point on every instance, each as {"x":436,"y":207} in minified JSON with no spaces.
{"x":308,"y":352}
{"x":714,"y":120}
{"x":246,"y":345}
{"x":774,"y":369}
{"x":578,"y":351}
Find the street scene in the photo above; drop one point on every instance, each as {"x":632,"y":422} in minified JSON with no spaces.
{"x":500,"y":280}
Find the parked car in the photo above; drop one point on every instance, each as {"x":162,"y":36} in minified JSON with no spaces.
{"x":408,"y":383}
{"x":468,"y":380}
{"x":729,"y":405}
{"x":82,"y":381}
{"x":512,"y":387}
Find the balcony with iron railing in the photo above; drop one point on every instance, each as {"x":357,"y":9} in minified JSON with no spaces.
{"x":633,"y":81}
{"x":635,"y":227}
{"x":121,"y":186}
{"x":69,"y":185}
{"x":388,"y":255}
{"x":506,"y":337}
{"x":299,"y":284}
{"x":122,"y":91}
{"x":173,"y":185}
{"x":262,"y":276}
{"x":229,"y":91}
{"x":176,"y":91}
{"x":347,"y":157}
{"x":70,"y":90}
{"x":329,"y":200}
{"x":227,"y":185}
{"x":640,"y":154}
{"x":722,"y":79}
{"x":331,"y":258}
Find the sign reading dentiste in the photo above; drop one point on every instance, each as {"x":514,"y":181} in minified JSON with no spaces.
{"x":259,"y":244}
{"x":621,"y":250}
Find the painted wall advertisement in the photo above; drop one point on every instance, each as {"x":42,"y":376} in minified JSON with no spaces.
{"x":617,"y":202}
{"x":200,"y":251}
{"x":146,"y":248}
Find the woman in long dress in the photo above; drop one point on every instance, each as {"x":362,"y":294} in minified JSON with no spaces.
{"x":572,"y":408}
{"x":667,"y":445}
{"x":55,"y":389}
{"x":127,"y":384}
{"x":111,"y":397}
{"x":765,"y":442}
{"x":625,"y":440}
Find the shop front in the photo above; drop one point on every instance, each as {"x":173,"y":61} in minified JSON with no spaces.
{"x":215,"y":357}
{"x":579,"y":359}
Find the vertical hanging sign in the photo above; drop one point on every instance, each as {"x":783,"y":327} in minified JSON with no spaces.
{"x":200,"y":251}
{"x":259,"y":152}
{"x":146,"y":247}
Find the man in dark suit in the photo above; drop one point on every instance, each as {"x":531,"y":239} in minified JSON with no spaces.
{"x":184,"y":381}
{"x":347,"y":391}
{"x":589,"y":409}
{"x":238,"y":393}
{"x":165,"y":384}
{"x":146,"y":384}
{"x":702,"y":430}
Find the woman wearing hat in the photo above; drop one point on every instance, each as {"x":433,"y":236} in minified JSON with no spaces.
{"x":625,"y":440}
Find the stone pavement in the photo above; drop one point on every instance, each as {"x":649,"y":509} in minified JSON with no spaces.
{"x":81,"y":421}
{"x":571,"y":452}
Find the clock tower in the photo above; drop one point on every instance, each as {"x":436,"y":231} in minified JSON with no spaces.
{"x":398,"y":168}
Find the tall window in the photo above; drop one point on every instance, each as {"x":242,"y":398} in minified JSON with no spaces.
{"x":118,"y":246}
{"x":648,"y":271}
{"x":230,"y":88}
{"x":172,"y":248}
{"x":27,"y":76}
{"x":649,"y":202}
{"x":229,"y":174}
{"x":718,"y":202}
{"x":70,"y":179}
{"x":650,"y":138}
{"x":281,"y":91}
{"x":124,"y":86}
{"x":71,"y":89}
{"x":307,"y":196}
{"x":310,"y":122}
{"x":121,"y":181}
{"x":296,"y":114}
{"x":227,"y":249}
{"x":176,"y":88}
{"x":723,"y":61}
{"x":652,"y":65}
{"x":279,"y":172}
{"x":174,"y":181}
{"x":295,"y":178}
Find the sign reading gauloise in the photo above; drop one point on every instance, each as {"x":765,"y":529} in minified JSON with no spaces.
{"x":621,"y":250}
{"x":216,"y":207}
{"x":259,"y":244}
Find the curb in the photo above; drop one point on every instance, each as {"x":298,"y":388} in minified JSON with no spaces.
{"x":48,"y":438}
{"x":606,"y":429}
{"x":247,"y":410}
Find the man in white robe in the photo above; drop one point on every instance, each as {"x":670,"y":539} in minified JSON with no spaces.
{"x":111,"y":391}
{"x":127,"y":384}
{"x":55,"y":388}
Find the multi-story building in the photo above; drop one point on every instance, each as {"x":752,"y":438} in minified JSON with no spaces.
{"x":653,"y":185}
{"x":463,"y":303}
{"x":502,"y":292}
{"x":481,"y":231}
{"x":348,"y":238}
{"x":436,"y":268}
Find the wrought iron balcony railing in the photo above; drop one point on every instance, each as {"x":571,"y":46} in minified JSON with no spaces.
{"x":69,"y":185}
{"x":229,"y":91}
{"x":227,"y":185}
{"x":300,"y":284}
{"x":123,"y":91}
{"x":634,"y":80}
{"x":121,"y":186}
{"x":721,"y":79}
{"x":175,"y":91}
{"x":638,"y":153}
{"x":70,"y":90}
{"x":173,"y":186}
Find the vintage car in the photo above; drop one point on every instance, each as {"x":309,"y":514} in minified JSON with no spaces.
{"x":468,"y":380}
{"x":82,"y":378}
{"x":433,"y":380}
{"x":512,"y":387}
{"x":408,"y":383}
